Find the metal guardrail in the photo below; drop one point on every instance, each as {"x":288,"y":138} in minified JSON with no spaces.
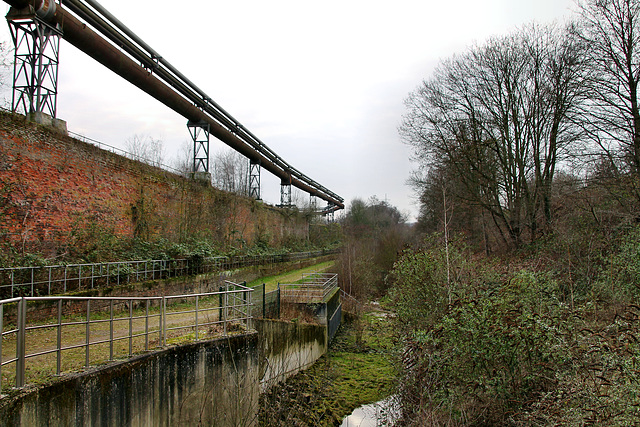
{"x":84,"y":323}
{"x":333,"y":323}
{"x":265,"y":304}
{"x":349,"y":303}
{"x":314,"y":287}
{"x":63,"y":278}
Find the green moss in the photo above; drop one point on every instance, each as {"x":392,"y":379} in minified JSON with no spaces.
{"x":347,"y":377}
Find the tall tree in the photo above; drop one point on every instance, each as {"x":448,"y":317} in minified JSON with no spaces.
{"x":609,"y":30}
{"x":499,"y":118}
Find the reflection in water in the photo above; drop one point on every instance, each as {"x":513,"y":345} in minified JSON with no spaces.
{"x":382,"y":413}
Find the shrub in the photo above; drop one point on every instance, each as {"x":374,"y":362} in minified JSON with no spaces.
{"x":490,"y":352}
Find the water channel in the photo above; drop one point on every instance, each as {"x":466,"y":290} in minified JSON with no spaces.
{"x":382,"y":413}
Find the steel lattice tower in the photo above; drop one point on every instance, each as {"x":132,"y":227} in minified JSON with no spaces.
{"x":36,"y":59}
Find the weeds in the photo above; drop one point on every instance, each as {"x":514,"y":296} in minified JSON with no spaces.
{"x":514,"y":347}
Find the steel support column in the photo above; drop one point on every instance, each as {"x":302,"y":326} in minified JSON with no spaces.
{"x":330,"y":217}
{"x":35,"y":69}
{"x":200,"y":133}
{"x":329,"y":210}
{"x":254,"y":179}
{"x":285,"y":195}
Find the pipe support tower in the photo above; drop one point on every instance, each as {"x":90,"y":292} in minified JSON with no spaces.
{"x":36,"y":59}
{"x":124,"y":53}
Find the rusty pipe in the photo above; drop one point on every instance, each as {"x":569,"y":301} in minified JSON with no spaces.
{"x":92,"y":44}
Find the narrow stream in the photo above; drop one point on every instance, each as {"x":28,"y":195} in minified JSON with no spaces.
{"x":381,"y":413}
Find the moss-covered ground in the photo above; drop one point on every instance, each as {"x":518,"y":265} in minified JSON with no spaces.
{"x":356,"y":371}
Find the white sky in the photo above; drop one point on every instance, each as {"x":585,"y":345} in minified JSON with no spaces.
{"x":321,"y":83}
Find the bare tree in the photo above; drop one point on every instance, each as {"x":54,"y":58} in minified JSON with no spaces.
{"x":498,"y":120}
{"x":6,"y":69}
{"x":231,"y":172}
{"x":184,"y":162}
{"x":609,"y":30}
{"x":146,"y":149}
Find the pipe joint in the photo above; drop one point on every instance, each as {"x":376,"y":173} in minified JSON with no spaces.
{"x":47,"y":9}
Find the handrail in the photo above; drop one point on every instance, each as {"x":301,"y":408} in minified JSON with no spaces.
{"x":314,"y":287}
{"x":62,"y":278}
{"x":88,"y":322}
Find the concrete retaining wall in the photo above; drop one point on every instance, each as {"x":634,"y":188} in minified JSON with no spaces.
{"x":207,"y":383}
{"x":288,"y":347}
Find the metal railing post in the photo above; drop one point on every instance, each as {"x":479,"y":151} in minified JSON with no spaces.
{"x":110,"y":329}
{"x":226,"y":308}
{"x":247,"y":308}
{"x":20,"y":344}
{"x":59,"y":340}
{"x":220,"y":304}
{"x":88,"y":330}
{"x":163,"y":321}
{"x":146,"y":326}
{"x":197,"y":300}
{"x":1,"y":337}
{"x":130,"y":327}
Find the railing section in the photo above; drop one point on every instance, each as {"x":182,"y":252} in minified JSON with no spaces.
{"x":334,"y":321}
{"x":86,"y":331}
{"x":60,"y":279}
{"x":313,"y":287}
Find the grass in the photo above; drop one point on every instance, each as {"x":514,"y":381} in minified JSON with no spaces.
{"x":271,"y":282}
{"x":363,"y":372}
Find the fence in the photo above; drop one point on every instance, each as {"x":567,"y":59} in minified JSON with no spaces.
{"x":350,"y":304}
{"x":113,"y":326}
{"x":59,"y":279}
{"x":334,"y":321}
{"x":265,"y":304}
{"x":313,"y":288}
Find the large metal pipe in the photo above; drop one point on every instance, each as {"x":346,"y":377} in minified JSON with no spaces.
{"x":92,"y":44}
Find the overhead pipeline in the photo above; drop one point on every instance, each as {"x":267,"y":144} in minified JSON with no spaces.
{"x":176,"y":92}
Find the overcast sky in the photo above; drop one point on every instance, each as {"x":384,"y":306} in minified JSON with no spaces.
{"x":321,"y":83}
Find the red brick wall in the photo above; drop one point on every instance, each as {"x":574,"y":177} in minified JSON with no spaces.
{"x":54,"y":187}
